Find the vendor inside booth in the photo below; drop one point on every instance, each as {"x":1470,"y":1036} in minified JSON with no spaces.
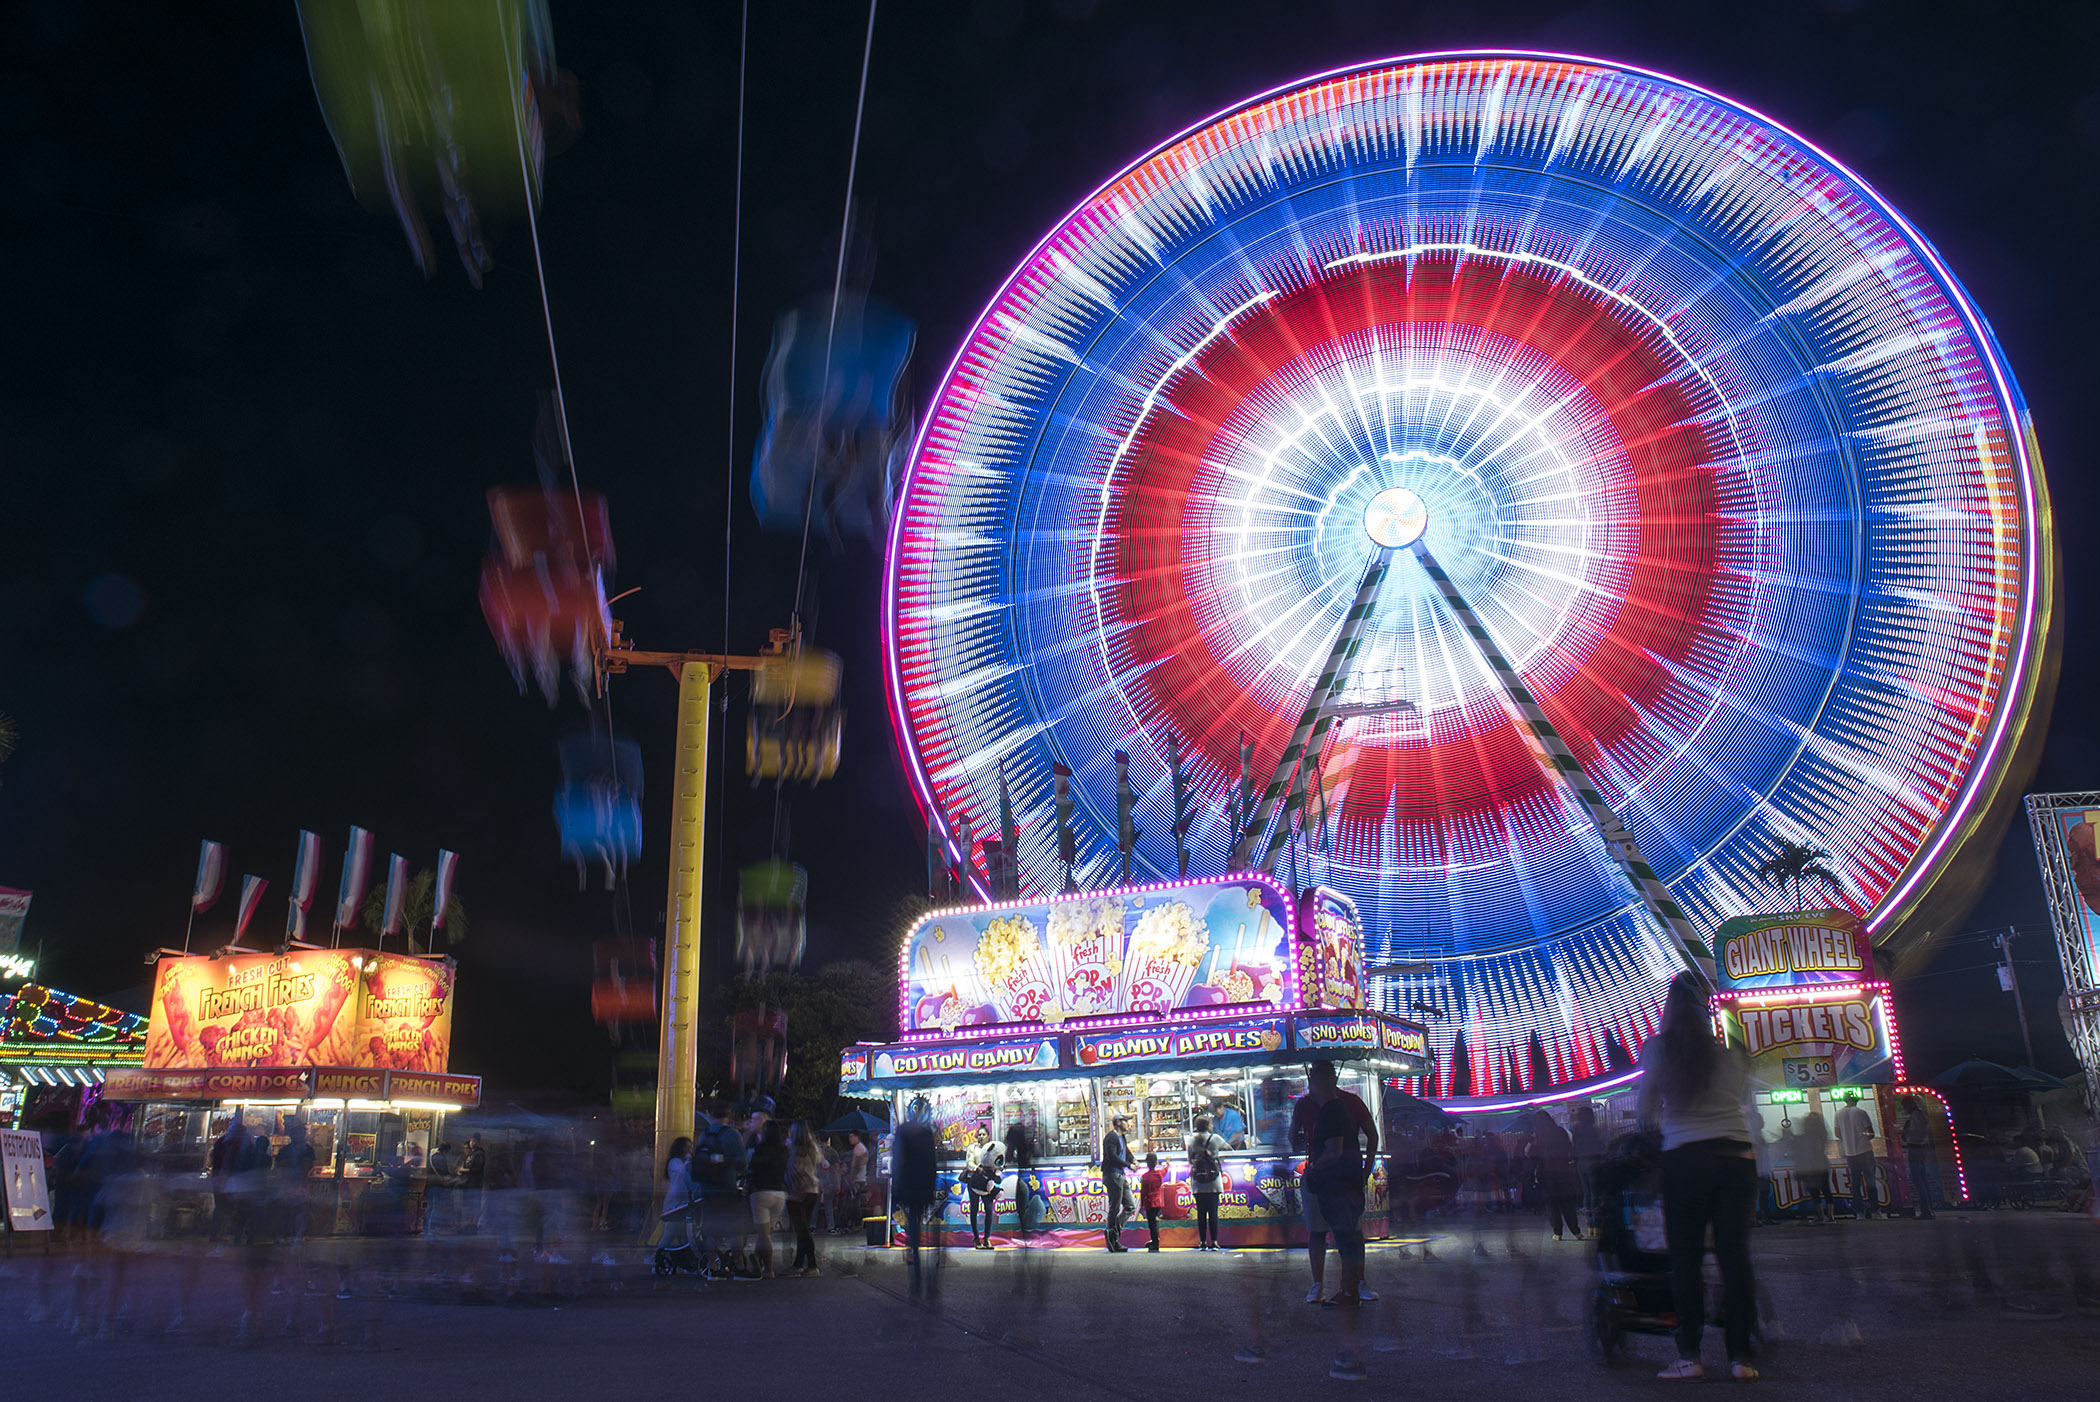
{"x":1037,"y":1025}
{"x":338,"y":1057}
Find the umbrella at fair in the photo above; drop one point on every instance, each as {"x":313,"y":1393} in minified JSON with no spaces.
{"x":857,"y":1122}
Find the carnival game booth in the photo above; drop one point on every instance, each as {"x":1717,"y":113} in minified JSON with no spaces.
{"x":54,"y":1046}
{"x":1162,"y":1003}
{"x":1798,"y":994}
{"x":343,"y":1053}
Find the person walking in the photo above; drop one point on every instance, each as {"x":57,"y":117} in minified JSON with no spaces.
{"x":1693,"y":1089}
{"x":855,"y":1169}
{"x":914,"y":1182}
{"x":984,"y":1164}
{"x":804,"y":1190}
{"x":1553,"y":1151}
{"x":1588,"y":1141}
{"x":769,"y":1190}
{"x":1918,"y":1154}
{"x":1334,"y":1175}
{"x":473,"y":1181}
{"x":1304,"y":1111}
{"x":1812,"y":1166}
{"x":1020,"y":1157}
{"x":1855,"y":1134}
{"x":717,"y":1167}
{"x":1116,"y":1164}
{"x":1206,"y":1180}
{"x":1152,"y":1189}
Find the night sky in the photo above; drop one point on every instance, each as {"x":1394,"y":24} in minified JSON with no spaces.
{"x":244,"y":444}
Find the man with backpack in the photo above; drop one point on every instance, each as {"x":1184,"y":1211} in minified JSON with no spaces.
{"x":1206,"y":1181}
{"x":717,"y":1178}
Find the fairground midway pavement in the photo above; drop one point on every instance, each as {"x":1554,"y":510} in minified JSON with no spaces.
{"x":1863,"y":1311}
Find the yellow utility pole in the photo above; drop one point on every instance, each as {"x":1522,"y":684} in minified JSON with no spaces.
{"x":678,"y":1051}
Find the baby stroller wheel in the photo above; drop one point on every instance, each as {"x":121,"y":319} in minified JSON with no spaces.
{"x":1607,"y":1338}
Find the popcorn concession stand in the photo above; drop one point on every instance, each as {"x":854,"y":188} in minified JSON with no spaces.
{"x":1160,"y":1002}
{"x":346,"y":1050}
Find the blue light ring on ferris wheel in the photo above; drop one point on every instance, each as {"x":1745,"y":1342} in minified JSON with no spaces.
{"x":1957,"y":300}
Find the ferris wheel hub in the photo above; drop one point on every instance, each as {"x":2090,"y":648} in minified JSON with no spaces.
{"x":1395,"y":517}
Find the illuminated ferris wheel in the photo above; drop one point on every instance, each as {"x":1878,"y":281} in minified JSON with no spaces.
{"x":1496,"y":409}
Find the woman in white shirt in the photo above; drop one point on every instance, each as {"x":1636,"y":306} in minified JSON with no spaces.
{"x":1693,"y":1089}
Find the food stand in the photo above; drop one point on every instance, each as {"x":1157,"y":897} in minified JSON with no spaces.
{"x":1159,"y":1002}
{"x":347,"y":1051}
{"x":1798,"y":994}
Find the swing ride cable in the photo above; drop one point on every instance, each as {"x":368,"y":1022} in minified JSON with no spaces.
{"x":561,"y":403}
{"x":838,"y":280}
{"x":736,"y":263}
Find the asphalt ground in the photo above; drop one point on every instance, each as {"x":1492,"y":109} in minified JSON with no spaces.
{"x":1859,"y":1311}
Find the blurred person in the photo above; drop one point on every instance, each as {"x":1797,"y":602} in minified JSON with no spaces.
{"x":825,"y":1207}
{"x":1020,"y":1156}
{"x":1553,"y":1151}
{"x":473,"y":1182}
{"x":1812,"y":1167}
{"x":223,"y":1162}
{"x":805,"y":1189}
{"x":1693,"y":1090}
{"x":1588,"y":1141}
{"x":769,"y":1189}
{"x":677,"y":1213}
{"x":1762,"y":1145}
{"x":1116,"y":1164}
{"x":857,"y":1178}
{"x":1304,"y":1112}
{"x":983,"y":1170}
{"x":1334,"y":1175}
{"x":1206,"y":1180}
{"x":1855,"y":1136}
{"x":718,"y":1163}
{"x":1152,"y":1185}
{"x":914,"y":1183}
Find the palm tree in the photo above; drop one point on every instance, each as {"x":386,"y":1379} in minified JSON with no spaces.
{"x":1794,"y":863}
{"x":8,"y":736}
{"x":415,"y":912}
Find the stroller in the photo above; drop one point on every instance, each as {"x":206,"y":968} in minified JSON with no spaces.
{"x":682,"y":1259}
{"x":1632,"y":1291}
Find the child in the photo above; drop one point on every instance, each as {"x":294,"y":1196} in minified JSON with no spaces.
{"x":1151,"y":1189}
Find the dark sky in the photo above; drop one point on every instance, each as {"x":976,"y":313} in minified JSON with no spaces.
{"x":243,"y":444}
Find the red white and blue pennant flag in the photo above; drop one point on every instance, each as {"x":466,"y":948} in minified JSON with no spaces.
{"x":211,"y":875}
{"x":306,"y":875}
{"x":357,"y":876}
{"x":252,"y":888}
{"x":396,"y":894}
{"x":441,"y":898}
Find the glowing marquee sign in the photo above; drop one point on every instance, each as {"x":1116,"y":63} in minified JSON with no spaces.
{"x":975,"y":1059}
{"x":1214,"y":1043}
{"x":1781,"y":951}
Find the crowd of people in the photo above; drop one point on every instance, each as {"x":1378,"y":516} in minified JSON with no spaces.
{"x":727,"y":1190}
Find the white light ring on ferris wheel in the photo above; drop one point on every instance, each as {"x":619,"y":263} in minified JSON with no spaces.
{"x":1851,"y":414}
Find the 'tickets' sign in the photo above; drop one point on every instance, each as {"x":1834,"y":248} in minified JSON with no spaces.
{"x":1781,"y":951}
{"x":326,"y":1007}
{"x":1833,"y":1041}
